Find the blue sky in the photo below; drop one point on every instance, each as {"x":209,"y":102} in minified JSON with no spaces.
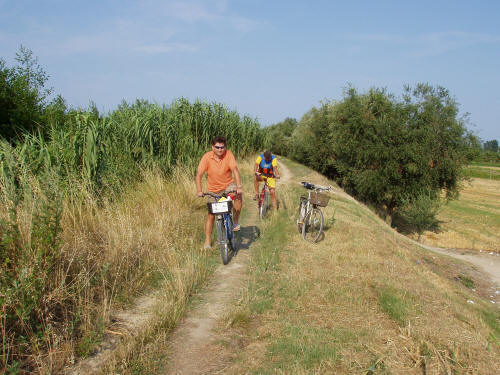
{"x":267,"y":59}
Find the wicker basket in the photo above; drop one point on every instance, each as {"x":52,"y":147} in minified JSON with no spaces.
{"x":319,"y":199}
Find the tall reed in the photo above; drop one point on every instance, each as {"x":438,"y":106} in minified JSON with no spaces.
{"x":96,"y":211}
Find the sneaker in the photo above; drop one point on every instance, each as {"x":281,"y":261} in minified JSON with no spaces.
{"x":207,"y":246}
{"x":236,"y":227}
{"x":255,"y":197}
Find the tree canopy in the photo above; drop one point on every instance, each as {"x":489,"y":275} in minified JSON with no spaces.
{"x":384,"y":150}
{"x":24,"y":104}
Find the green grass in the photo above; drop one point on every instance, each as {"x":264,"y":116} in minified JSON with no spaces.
{"x":305,"y":347}
{"x":478,"y":172}
{"x":485,"y":164}
{"x":395,"y":304}
{"x":461,"y":207}
{"x":299,"y":170}
{"x":467,"y":281}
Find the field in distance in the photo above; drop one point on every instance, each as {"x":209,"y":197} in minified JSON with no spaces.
{"x":472,"y":221}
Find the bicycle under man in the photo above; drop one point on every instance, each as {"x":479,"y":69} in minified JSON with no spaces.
{"x":263,"y":197}
{"x":222,"y":208}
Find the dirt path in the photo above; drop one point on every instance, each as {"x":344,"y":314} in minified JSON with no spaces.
{"x":195,"y":347}
{"x":489,"y":263}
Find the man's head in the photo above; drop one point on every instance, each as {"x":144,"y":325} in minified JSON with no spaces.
{"x":268,"y":155}
{"x":219,"y":145}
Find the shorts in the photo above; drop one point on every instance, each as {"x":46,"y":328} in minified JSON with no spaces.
{"x":271,"y":181}
{"x":230,"y":187}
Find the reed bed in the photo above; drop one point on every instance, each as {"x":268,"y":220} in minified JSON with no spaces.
{"x":96,"y":213}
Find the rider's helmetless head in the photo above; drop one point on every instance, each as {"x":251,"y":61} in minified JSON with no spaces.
{"x":267,"y":155}
{"x":219,"y":145}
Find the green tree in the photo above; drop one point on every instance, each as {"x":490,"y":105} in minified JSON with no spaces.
{"x":419,"y":212}
{"x":23,"y":96}
{"x":278,"y":136}
{"x":491,"y":145}
{"x":383,"y":149}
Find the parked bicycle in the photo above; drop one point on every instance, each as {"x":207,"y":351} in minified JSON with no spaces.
{"x":263,"y":199}
{"x":222,"y":208}
{"x":311,"y":221}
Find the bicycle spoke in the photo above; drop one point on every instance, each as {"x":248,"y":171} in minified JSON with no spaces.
{"x":313,"y":225}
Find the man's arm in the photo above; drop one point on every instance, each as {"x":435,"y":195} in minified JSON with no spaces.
{"x":239,"y":186}
{"x":277,"y":173}
{"x":199,"y":174}
{"x":256,"y":168}
{"x":275,"y":167}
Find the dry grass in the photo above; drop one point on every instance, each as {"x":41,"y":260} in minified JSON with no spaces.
{"x":110,"y":253}
{"x":145,"y":353}
{"x":471,"y":222}
{"x":362,"y":301}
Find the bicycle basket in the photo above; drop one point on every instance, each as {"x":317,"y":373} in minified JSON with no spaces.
{"x":220,"y":207}
{"x":319,"y":199}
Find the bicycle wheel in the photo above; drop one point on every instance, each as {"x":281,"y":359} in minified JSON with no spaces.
{"x":223,"y":242}
{"x":313,"y":225}
{"x":264,"y":204}
{"x":302,"y":214}
{"x":228,"y":218}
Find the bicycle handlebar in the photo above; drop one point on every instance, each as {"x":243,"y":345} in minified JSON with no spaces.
{"x":218,"y":196}
{"x":267,"y":175}
{"x":311,"y":186}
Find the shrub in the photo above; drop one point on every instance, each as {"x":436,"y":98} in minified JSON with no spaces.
{"x":384,"y":150}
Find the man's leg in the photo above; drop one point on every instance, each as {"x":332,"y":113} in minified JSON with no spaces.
{"x":256,"y":180}
{"x":209,"y":226}
{"x":237,"y":203}
{"x":273,"y":197}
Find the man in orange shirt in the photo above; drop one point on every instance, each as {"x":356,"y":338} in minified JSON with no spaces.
{"x":220,"y":165}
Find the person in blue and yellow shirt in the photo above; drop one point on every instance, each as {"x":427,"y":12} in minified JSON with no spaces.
{"x":266,"y":167}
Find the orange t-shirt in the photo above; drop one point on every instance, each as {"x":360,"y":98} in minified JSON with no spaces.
{"x":220,"y":172}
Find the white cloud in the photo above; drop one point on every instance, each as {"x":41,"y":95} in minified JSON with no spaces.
{"x":442,"y":42}
{"x":429,"y":44}
{"x":165,"y":48}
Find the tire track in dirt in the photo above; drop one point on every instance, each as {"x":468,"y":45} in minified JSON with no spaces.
{"x":195,"y":347}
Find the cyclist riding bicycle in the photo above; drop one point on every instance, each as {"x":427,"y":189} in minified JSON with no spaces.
{"x":266,"y":167}
{"x":220,"y":165}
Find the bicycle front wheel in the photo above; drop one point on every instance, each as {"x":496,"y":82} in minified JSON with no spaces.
{"x":313,"y":225}
{"x":302,"y":214}
{"x":228,"y":218}
{"x":223,"y":242}
{"x":264,"y":205}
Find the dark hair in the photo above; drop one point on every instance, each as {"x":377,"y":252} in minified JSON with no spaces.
{"x":267,"y":155}
{"x":219,"y":139}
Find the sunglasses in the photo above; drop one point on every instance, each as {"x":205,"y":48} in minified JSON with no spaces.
{"x":220,"y":147}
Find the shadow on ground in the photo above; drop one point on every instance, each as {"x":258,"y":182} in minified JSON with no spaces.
{"x":246,"y":236}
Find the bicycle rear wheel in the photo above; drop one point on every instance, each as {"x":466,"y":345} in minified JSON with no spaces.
{"x":223,"y":242}
{"x":302,"y":214}
{"x":313,"y":225}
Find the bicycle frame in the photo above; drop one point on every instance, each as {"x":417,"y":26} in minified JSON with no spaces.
{"x":224,"y":225}
{"x":311,"y":221}
{"x":263,"y":202}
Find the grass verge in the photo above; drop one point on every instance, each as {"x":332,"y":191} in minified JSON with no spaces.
{"x":472,"y":221}
{"x":361,"y":301}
